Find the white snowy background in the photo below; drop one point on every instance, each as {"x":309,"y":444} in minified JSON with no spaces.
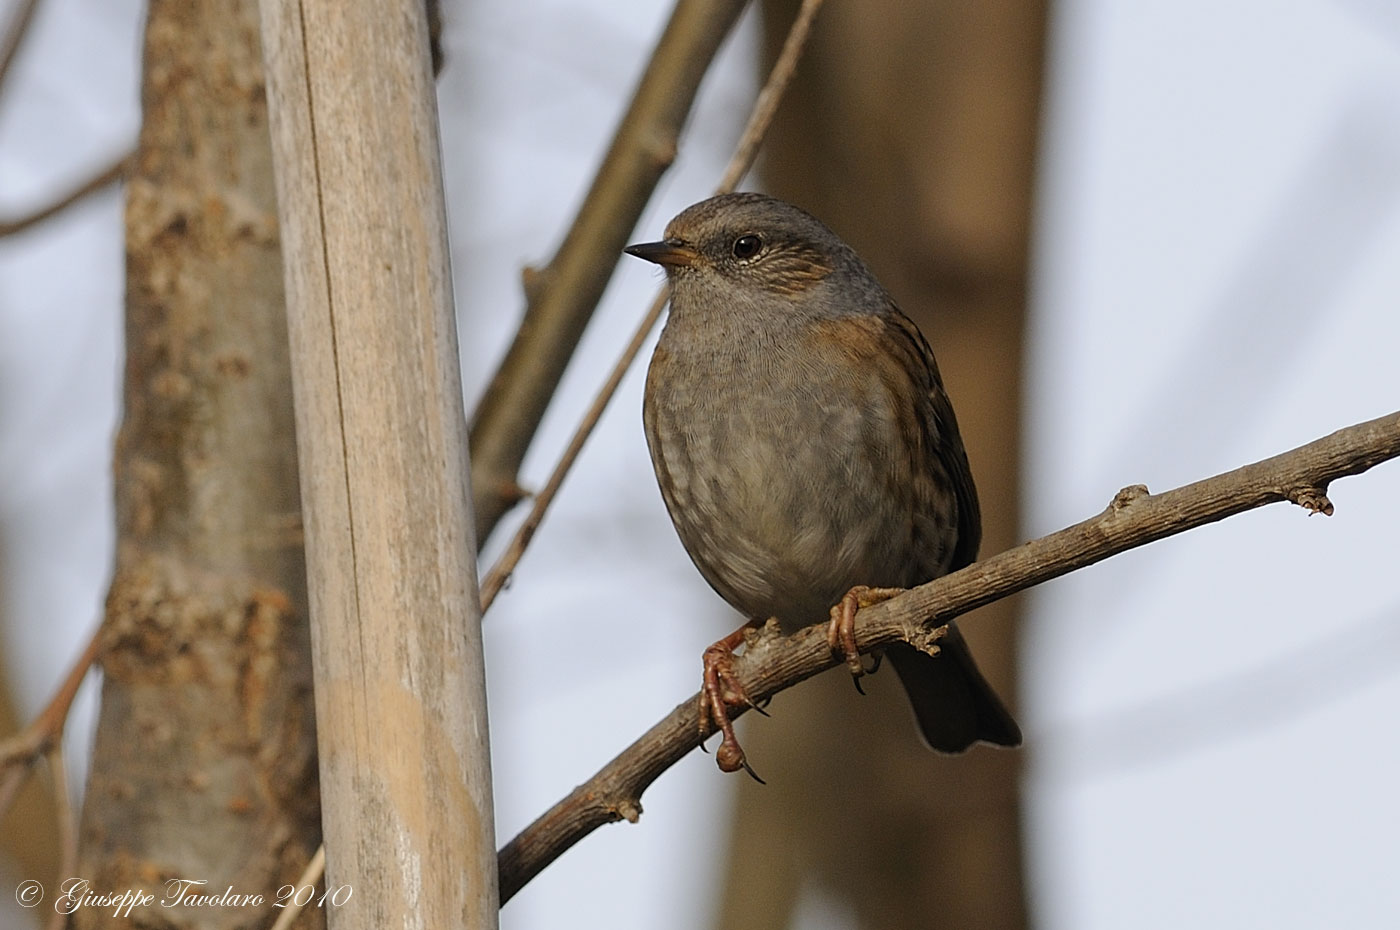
{"x":1217,"y":279}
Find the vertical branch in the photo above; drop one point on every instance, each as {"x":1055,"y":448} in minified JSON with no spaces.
{"x":400,"y":690}
{"x":204,"y":762}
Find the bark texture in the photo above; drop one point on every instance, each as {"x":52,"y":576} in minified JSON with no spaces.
{"x":204,"y":764}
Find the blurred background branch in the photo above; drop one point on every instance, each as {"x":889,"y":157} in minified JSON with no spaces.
{"x":111,"y":174}
{"x":19,"y":752}
{"x":16,"y":31}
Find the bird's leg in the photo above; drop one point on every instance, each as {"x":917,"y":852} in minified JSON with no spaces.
{"x":721,"y":691}
{"x":841,"y":634}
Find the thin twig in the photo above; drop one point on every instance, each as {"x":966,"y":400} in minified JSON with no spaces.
{"x":770,"y":96}
{"x":499,"y":574}
{"x":739,"y":164}
{"x":772,"y":662}
{"x":19,"y":753}
{"x":15,"y":34}
{"x":107,"y":176}
{"x":309,"y":876}
{"x":561,"y":297}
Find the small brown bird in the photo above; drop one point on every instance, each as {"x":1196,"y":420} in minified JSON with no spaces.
{"x":806,"y":449}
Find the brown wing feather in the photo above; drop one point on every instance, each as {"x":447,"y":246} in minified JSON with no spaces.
{"x":954,"y":704}
{"x":942,"y":434}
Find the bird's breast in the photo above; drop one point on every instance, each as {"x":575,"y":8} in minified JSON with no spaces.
{"x":767,"y":470}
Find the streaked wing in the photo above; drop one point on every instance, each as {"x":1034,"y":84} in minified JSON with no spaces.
{"x":929,"y":473}
{"x":941,"y":432}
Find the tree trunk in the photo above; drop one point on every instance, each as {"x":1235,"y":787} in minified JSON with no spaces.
{"x":204,"y":764}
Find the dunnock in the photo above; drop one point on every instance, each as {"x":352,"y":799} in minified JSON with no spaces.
{"x":806,"y":449}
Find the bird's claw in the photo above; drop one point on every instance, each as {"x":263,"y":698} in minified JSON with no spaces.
{"x":841,"y":634}
{"x":722,"y":690}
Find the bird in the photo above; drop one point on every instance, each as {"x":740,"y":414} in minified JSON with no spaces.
{"x":807,"y":452}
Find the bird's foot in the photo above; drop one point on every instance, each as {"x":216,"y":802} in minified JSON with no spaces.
{"x":722,"y":690}
{"x":841,"y":634}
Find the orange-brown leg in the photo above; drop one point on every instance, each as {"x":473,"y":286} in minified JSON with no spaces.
{"x":721,"y":691}
{"x":841,"y":634}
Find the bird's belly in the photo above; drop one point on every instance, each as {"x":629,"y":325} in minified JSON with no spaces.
{"x":781,"y":523}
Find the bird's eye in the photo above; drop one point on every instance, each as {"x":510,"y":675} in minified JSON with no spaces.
{"x":747,"y":246}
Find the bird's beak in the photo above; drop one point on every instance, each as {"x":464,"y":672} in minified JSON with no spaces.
{"x":668,"y":252}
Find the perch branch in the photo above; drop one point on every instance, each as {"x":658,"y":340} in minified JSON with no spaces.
{"x":772,"y":662}
{"x":560,"y":298}
{"x":739,"y":164}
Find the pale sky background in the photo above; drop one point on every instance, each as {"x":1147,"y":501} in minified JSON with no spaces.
{"x":1210,"y":720}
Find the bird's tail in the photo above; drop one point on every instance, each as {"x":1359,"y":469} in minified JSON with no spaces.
{"x":954,"y":705}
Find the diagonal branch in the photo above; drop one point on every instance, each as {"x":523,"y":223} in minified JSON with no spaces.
{"x":772,"y":663}
{"x":19,"y":752}
{"x":110,"y":174}
{"x":560,"y":298}
{"x":15,"y":33}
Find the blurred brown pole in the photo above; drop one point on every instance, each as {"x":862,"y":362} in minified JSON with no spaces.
{"x":911,"y":130}
{"x":204,"y":765}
